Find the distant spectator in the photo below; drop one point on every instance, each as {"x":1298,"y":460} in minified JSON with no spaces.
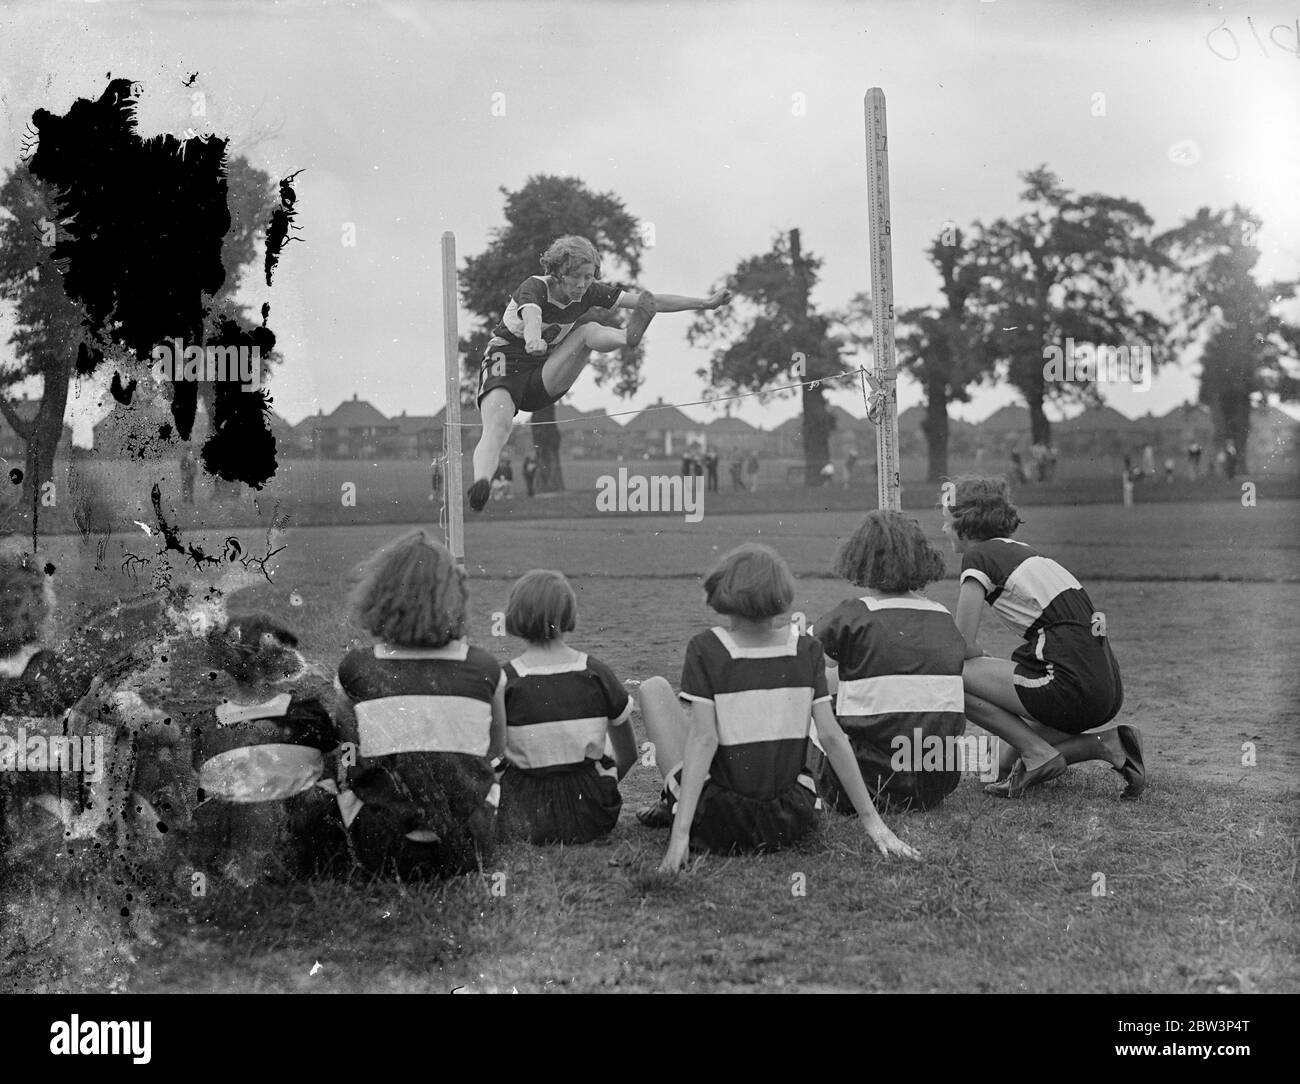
{"x":850,"y":461}
{"x":1169,"y":470}
{"x":1149,"y":462}
{"x":1194,"y":452}
{"x":1221,"y":463}
{"x":711,"y":469}
{"x":1038,"y":453}
{"x":503,"y":480}
{"x":436,"y":494}
{"x":738,"y":472}
{"x":1230,"y":459}
{"x":751,"y":471}
{"x":530,"y":470}
{"x":828,"y":473}
{"x":188,"y":470}
{"x":1018,"y":466}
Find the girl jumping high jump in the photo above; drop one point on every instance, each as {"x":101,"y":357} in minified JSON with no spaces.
{"x":546,"y":336}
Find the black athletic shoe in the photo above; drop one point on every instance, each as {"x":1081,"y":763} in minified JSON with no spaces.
{"x":657,"y":815}
{"x":479,"y":493}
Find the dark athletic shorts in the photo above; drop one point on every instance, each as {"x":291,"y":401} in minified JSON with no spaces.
{"x":1069,"y":680}
{"x":522,"y":377}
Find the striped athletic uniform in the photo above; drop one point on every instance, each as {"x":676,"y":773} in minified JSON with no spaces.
{"x":1066,"y":675}
{"x":427,"y":790}
{"x":560,"y":784}
{"x":266,"y":793}
{"x":900,"y":662}
{"x":507,"y":363}
{"x":759,"y":794}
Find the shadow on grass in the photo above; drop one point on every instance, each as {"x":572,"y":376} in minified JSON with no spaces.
{"x":1192,"y":889}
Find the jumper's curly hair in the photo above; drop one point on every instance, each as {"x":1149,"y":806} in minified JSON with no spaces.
{"x":541,"y":607}
{"x":752,"y":581}
{"x":412,"y":594}
{"x":981,"y":508}
{"x":565,"y":253}
{"x":26,"y":602}
{"x":889,"y":552}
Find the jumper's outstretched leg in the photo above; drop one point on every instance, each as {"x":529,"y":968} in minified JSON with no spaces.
{"x":567,"y":361}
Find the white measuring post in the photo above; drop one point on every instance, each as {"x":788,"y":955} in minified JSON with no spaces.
{"x":451,"y":420}
{"x":884,"y":378}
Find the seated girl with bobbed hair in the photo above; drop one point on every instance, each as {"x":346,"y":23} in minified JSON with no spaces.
{"x":560,"y":784}
{"x":735,"y":761}
{"x":430,"y":716}
{"x":1063,"y":680}
{"x":897,"y":665}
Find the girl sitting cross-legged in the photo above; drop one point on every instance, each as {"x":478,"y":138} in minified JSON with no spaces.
{"x":560,"y":785}
{"x":735,"y":761}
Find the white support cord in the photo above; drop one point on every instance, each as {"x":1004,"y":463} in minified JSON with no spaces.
{"x":588,"y":419}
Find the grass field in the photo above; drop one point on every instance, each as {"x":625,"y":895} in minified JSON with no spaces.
{"x":1200,"y":876}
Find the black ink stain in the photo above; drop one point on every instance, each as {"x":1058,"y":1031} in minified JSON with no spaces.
{"x":122,"y":394}
{"x":142,"y":256}
{"x":277,"y":233}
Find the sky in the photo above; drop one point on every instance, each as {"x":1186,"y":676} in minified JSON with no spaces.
{"x":721,"y":124}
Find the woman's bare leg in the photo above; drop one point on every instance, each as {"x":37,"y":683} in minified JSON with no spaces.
{"x":665,"y":723}
{"x":567,"y":361}
{"x":498,"y":413}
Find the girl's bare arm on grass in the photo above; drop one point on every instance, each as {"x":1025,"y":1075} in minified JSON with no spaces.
{"x":701,"y":744}
{"x":840,"y":753}
{"x":624,"y":743}
{"x":970,"y":608}
{"x":497,"y":743}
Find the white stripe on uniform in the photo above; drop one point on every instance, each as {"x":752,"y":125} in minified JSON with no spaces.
{"x":566,"y":741}
{"x":900,"y":693}
{"x":764,"y":714}
{"x":424,"y":724}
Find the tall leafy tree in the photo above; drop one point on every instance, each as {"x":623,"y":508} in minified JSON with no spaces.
{"x":1065,"y":268}
{"x":545,"y":208}
{"x":1247,"y":342}
{"x":940,"y":346}
{"x":49,"y":327}
{"x":770,"y":336}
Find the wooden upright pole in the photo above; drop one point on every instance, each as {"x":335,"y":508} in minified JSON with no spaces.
{"x":884,"y":379}
{"x":453,"y":496}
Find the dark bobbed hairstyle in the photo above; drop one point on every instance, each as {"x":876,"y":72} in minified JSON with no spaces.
{"x":565,"y":253}
{"x":252,"y":646}
{"x":981,"y":508}
{"x":26,"y":602}
{"x":541,"y":607}
{"x":889,"y":552}
{"x":411,"y":593}
{"x":752,"y":581}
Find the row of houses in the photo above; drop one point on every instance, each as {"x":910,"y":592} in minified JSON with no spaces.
{"x":356,"y":429}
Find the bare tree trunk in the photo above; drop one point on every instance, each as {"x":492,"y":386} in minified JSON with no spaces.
{"x":546,"y":440}
{"x":936,"y":429}
{"x":817,"y":426}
